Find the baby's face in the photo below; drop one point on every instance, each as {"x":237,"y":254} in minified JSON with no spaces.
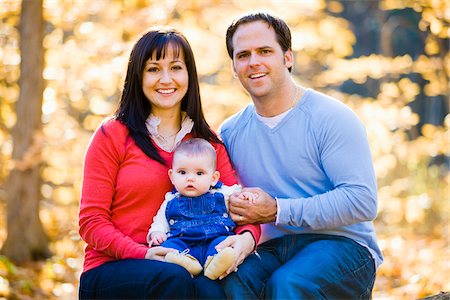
{"x":192,"y":176}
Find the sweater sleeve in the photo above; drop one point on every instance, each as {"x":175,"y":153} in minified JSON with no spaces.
{"x":103,"y":157}
{"x":346,"y":160}
{"x":160,"y":221}
{"x":228,"y":177}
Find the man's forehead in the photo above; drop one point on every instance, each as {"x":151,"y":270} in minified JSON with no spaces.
{"x":254,"y":40}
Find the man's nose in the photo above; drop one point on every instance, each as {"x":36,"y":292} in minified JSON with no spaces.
{"x":253,"y":59}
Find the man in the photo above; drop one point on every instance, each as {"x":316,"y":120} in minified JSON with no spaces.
{"x":309,"y":158}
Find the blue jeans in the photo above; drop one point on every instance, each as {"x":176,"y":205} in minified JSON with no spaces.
{"x":146,"y":279}
{"x":304,"y":266}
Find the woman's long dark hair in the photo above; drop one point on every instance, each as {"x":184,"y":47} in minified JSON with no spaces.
{"x":134,"y":107}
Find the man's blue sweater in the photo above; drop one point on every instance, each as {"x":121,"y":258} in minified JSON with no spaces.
{"x":316,"y":162}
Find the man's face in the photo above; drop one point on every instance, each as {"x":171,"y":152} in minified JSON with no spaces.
{"x":258,"y":60}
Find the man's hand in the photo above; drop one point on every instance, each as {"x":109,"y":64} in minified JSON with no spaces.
{"x":263,"y":210}
{"x":250,"y":197}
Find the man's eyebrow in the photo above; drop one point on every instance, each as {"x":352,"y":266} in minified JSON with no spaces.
{"x":258,"y":48}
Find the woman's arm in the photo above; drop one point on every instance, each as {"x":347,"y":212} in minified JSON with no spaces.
{"x":103,"y":157}
{"x":228,"y":177}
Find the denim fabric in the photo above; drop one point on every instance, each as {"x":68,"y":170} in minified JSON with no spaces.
{"x":197,"y":219}
{"x":136,"y":279}
{"x":200,"y":250}
{"x":304,"y":266}
{"x":145,"y":279}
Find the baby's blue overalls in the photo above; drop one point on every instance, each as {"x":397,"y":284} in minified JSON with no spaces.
{"x":198,"y":224}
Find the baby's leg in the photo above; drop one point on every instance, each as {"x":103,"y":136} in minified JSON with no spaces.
{"x":218,"y":262}
{"x":183,"y":258}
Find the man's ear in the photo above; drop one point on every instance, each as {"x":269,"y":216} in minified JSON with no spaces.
{"x":233,"y":69}
{"x":215,"y":178}
{"x":288,"y":58}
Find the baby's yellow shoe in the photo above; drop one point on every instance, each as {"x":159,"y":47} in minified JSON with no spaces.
{"x":216,"y":265}
{"x":185,"y":260}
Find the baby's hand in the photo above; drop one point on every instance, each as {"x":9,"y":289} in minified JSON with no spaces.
{"x":250,"y":197}
{"x":158,"y":238}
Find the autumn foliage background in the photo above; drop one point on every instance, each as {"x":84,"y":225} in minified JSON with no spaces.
{"x":388,"y":60}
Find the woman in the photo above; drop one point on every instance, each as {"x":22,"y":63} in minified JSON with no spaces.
{"x":125,"y":177}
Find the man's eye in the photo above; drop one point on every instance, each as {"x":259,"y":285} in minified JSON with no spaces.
{"x":242,"y":55}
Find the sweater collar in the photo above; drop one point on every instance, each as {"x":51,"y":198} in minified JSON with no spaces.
{"x":153,"y":122}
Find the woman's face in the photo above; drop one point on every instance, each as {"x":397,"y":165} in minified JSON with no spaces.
{"x":165,"y":81}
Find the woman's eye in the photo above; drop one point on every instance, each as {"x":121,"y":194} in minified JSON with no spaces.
{"x":177,"y":68}
{"x":152,"y":69}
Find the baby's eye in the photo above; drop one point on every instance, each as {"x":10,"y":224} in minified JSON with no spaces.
{"x":199,"y":173}
{"x":182,"y":172}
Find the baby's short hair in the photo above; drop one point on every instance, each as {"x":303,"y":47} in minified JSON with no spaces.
{"x":196,"y":147}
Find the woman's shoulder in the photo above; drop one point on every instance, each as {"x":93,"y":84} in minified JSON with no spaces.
{"x":112,"y":126}
{"x":110,"y":131}
{"x":217,"y":146}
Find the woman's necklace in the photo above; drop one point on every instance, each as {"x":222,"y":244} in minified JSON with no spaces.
{"x":168,"y":141}
{"x":166,"y":137}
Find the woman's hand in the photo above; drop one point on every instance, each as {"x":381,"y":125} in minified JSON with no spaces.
{"x":158,"y":253}
{"x":243,"y":244}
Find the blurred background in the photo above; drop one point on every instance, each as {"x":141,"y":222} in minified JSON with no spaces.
{"x":388,"y":60}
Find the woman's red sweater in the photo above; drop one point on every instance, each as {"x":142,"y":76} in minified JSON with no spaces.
{"x":121,"y":193}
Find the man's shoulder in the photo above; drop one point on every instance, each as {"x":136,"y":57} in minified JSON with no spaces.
{"x":322,"y":106}
{"x":237,"y":120}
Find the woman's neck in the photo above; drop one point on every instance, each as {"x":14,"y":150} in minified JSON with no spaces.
{"x":170,"y":122}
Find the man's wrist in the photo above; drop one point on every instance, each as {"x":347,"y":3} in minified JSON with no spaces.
{"x":276,"y":210}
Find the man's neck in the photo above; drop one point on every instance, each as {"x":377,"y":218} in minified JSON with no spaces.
{"x":277,"y":103}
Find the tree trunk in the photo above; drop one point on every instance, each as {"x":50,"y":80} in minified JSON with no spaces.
{"x":26,"y":239}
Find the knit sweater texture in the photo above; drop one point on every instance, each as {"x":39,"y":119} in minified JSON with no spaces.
{"x":316,"y":162}
{"x":122,"y":191}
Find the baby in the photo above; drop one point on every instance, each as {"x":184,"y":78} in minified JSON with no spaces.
{"x":194,"y":217}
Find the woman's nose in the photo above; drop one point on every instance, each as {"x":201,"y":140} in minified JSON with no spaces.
{"x":165,"y":77}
